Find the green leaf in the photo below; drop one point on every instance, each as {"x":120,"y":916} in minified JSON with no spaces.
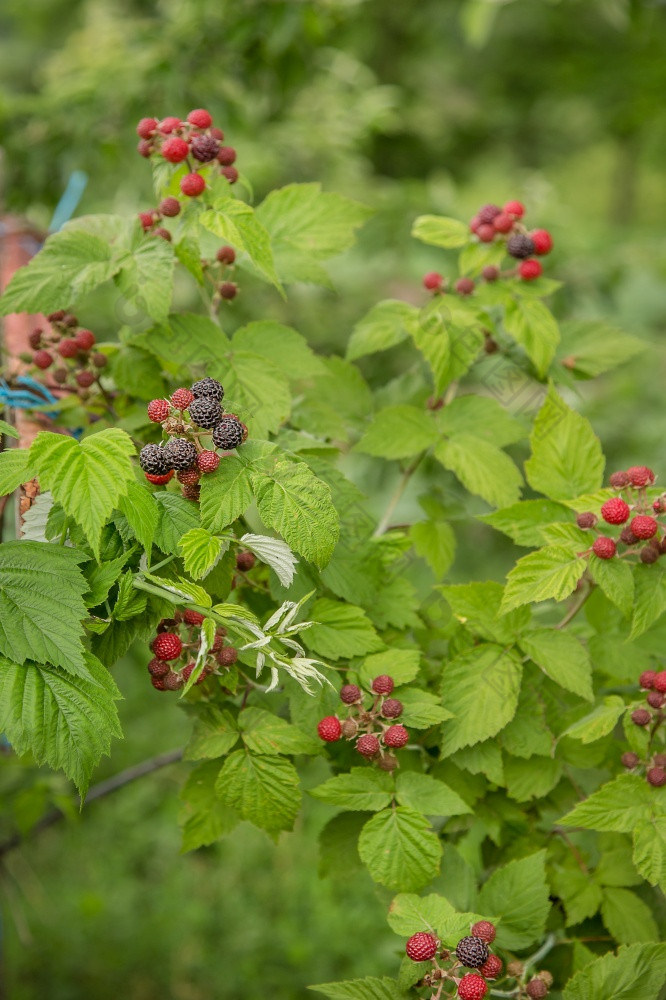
{"x":482,"y":417}
{"x":581,"y":896}
{"x":265,"y":733}
{"x":338,"y":856}
{"x":592,"y":347}
{"x":616,"y":579}
{"x":428,"y":795}
{"x":401,"y":664}
{"x":408,"y":914}
{"x":177,"y":517}
{"x":477,"y":606}
{"x":551,"y":572}
{"x":561,"y":657}
{"x":399,"y":432}
{"x":71,"y":263}
{"x":526,"y":780}
{"x":237,"y":223}
{"x":650,"y":850}
{"x":8,"y":431}
{"x":360,"y":789}
{"x":400,"y":849}
{"x":203,"y":818}
{"x":528,"y":732}
{"x":66,"y":721}
{"x":186,"y":340}
{"x":130,"y":602}
{"x":476,"y":256}
{"x":387,"y":324}
{"x":335,"y":404}
{"x":101,"y":577}
{"x":484,"y":758}
{"x":145,"y":276}
{"x":439,"y":231}
{"x":431,"y":337}
{"x":518,"y":893}
{"x":225,"y":494}
{"x":524,"y":521}
{"x":298,"y":505}
{"x":142,"y":513}
{"x":566,"y":457}
{"x":41,"y":604}
{"x":87,"y":478}
{"x":618,"y":806}
{"x":533,"y":325}
{"x":340,"y":630}
{"x":201,"y":551}
{"x":599,"y":722}
{"x":482,"y":468}
{"x":627,"y":917}
{"x":263,"y":789}
{"x":14,"y":469}
{"x":281,"y":345}
{"x":420,"y":709}
{"x":188,"y":252}
{"x":215,"y":733}
{"x":435,"y":542}
{"x":361,"y":989}
{"x":307,"y":225}
{"x":275,"y":553}
{"x":637,"y":972}
{"x":481,"y":688}
{"x":649,"y":600}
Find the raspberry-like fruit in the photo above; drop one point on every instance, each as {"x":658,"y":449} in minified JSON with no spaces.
{"x":368,"y":745}
{"x":193,"y":617}
{"x":515,"y":208}
{"x":147,"y":220}
{"x":167,"y":646}
{"x":350,"y":693}
{"x":659,"y":683}
{"x":57,"y":316}
{"x":228,"y":434}
{"x":226,"y":155}
{"x":329,"y":729}
{"x":421,"y":947}
{"x":153,"y":459}
{"x":158,"y":683}
{"x":42,"y":359}
{"x":382,"y":684}
{"x":464,"y":286}
{"x":84,"y":379}
{"x":472,"y":987}
{"x":586,"y":520}
{"x":615,"y":511}
{"x":230,"y":173}
{"x":349,"y":728}
{"x":208,"y":461}
{"x":227,"y":656}
{"x":630,"y":759}
{"x":61,"y":375}
{"x":146,"y":127}
{"x":204,"y":148}
{"x":643,"y":526}
{"x":228,"y":290}
{"x":391,"y":708}
{"x":641,"y":717}
{"x":649,"y":554}
{"x":85,"y":339}
{"x":172,"y":681}
{"x":659,"y":760}
{"x":200,"y":117}
{"x":618,"y":480}
{"x":492,"y":968}
{"x":536,"y":989}
{"x":189,"y":477}
{"x":387,"y":762}
{"x":159,"y":480}
{"x":655,"y":699}
{"x":175,"y":150}
{"x":205,"y":412}
{"x":543,"y":241}
{"x":68,"y":348}
{"x":646,"y":680}
{"x":490,"y":273}
{"x":163,"y":233}
{"x":158,"y":410}
{"x":486,"y":232}
{"x":433,"y":281}
{"x":627,"y":536}
{"x":170,"y":207}
{"x":396,"y":737}
{"x":489,"y":213}
{"x":530,"y":269}
{"x":169,"y":125}
{"x":208,"y":387}
{"x":604,"y":548}
{"x":226,"y":255}
{"x":217,"y":133}
{"x":474,"y":223}
{"x":180,"y":454}
{"x":640,"y":475}
{"x":485,"y":930}
{"x":100,"y":360}
{"x":158,"y":668}
{"x":35,"y":339}
{"x":192,"y":185}
{"x":144,"y":147}
{"x":191,"y":492}
{"x":181,"y":398}
{"x":245,"y":561}
{"x":186,"y":673}
{"x":472,"y":952}
{"x":503,"y":223}
{"x":520,"y":246}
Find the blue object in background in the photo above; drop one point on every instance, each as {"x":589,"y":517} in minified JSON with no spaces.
{"x":71,"y":197}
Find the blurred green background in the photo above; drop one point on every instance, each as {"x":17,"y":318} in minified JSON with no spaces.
{"x":437,"y":106}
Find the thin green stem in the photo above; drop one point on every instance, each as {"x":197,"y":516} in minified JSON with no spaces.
{"x":575,"y":607}
{"x":548,"y":945}
{"x":397,"y":495}
{"x":162,"y":563}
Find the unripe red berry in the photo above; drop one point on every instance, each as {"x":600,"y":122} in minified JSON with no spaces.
{"x":383,"y":684}
{"x":659,"y":683}
{"x":175,"y":150}
{"x":627,"y":536}
{"x":85,"y":339}
{"x":421,"y":947}
{"x":485,"y":930}
{"x":158,"y":683}
{"x":368,"y":745}
{"x":474,"y":223}
{"x":656,"y":699}
{"x":144,"y":148}
{"x":163,"y":234}
{"x":186,"y":673}
{"x":146,"y":219}
{"x":181,"y":398}
{"x":84,"y":379}
{"x":230,"y":173}
{"x":464,"y":286}
{"x":659,"y":760}
{"x":57,"y":316}
{"x":70,"y":320}
{"x":192,"y":185}
{"x":641,"y":717}
{"x":433,"y":281}
{"x":200,"y":118}
{"x":490,"y":273}
{"x":604,"y":548}
{"x":60,"y":375}
{"x":35,"y":339}
{"x":543,"y":241}
{"x":226,"y":255}
{"x":146,"y":127}
{"x":158,"y":668}
{"x":646,"y":680}
{"x":208,"y":461}
{"x":656,"y":776}
{"x":472,"y":987}
{"x":530,"y":269}
{"x":228,"y":290}
{"x":643,"y":526}
{"x":536,"y":989}
{"x":169,"y":207}
{"x":503,"y":223}
{"x":615,"y":511}
{"x":492,"y":968}
{"x":226,"y":155}
{"x":158,"y":410}
{"x":245,"y":561}
{"x":486,"y":232}
{"x":586,"y":520}
{"x":489,"y":213}
{"x":630,"y":760}
{"x":618,"y":480}
{"x":188,"y":477}
{"x":330,"y":729}
{"x":227,"y":656}
{"x":515,"y":208}
{"x":68,"y":348}
{"x":392,"y":708}
{"x":100,"y":360}
{"x":159,"y":480}
{"x":640,"y":475}
{"x":396,"y":737}
{"x":350,"y":693}
{"x":169,"y":125}
{"x":172,"y":681}
{"x":193,"y":617}
{"x":649,"y":554}
{"x":42,"y":359}
{"x":167,"y":646}
{"x":217,"y":133}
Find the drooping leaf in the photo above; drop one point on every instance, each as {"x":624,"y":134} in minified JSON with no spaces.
{"x":400,"y":849}
{"x":533,"y":325}
{"x":482,"y":468}
{"x":562,"y":657}
{"x":566,"y":458}
{"x":387,"y":324}
{"x":263,"y":789}
{"x":518,"y":893}
{"x":551,"y":572}
{"x":361,"y":788}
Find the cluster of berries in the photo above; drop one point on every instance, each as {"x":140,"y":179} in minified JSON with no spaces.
{"x":494,"y":224}
{"x":174,"y":659}
{"x":193,"y":141}
{"x":374,"y":730}
{"x":71,"y":346}
{"x":654,"y":765}
{"x":186,"y":417}
{"x":472,"y":952}
{"x":632,"y":507}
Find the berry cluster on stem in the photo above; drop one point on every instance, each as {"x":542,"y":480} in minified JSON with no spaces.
{"x":632,"y":511}
{"x":66,"y":350}
{"x":176,"y":648}
{"x":653,"y":762}
{"x":372,"y":728}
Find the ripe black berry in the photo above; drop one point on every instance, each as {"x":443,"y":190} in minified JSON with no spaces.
{"x":207,"y":387}
{"x":472,"y":952}
{"x":205,"y":412}
{"x":520,"y":246}
{"x":154,"y":459}
{"x":228,"y":434}
{"x":204,"y":148}
{"x":180,"y":454}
